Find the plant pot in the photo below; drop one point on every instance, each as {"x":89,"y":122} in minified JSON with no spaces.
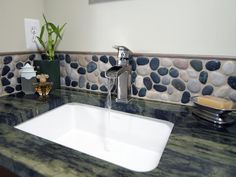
{"x":50,"y":67}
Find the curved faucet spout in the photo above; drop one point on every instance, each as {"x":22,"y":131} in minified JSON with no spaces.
{"x":116,"y":71}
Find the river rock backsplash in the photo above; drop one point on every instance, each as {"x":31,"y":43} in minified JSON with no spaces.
{"x":156,"y":78}
{"x":10,"y":66}
{"x":166,"y":79}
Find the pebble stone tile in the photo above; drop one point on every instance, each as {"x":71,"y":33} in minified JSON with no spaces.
{"x":10,"y":66}
{"x":158,"y":78}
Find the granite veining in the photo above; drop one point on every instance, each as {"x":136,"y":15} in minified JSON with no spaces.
{"x":195,"y":148}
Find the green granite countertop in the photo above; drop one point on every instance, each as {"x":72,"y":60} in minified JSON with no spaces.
{"x":195,"y":148}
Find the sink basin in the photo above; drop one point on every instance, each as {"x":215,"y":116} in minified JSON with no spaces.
{"x":128,"y":140}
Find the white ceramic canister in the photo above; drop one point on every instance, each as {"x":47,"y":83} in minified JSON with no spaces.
{"x":28,"y":78}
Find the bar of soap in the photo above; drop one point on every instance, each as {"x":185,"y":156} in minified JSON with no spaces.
{"x":215,"y":102}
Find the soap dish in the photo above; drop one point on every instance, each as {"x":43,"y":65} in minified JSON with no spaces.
{"x":217,"y":116}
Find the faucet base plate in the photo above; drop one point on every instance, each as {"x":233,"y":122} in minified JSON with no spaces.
{"x":123,"y":100}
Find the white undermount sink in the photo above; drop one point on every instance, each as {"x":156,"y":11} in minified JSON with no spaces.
{"x":128,"y":140}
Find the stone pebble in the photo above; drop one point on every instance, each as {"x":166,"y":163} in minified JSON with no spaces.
{"x":18,"y":80}
{"x":74,"y":65}
{"x":67,"y":81}
{"x":142,"y":61}
{"x":60,"y":57}
{"x":104,"y":59}
{"x":139,"y":81}
{"x":74,"y":83}
{"x":62,"y":80}
{"x":154,"y":63}
{"x":165,"y":80}
{"x":68,"y":59}
{"x":88,"y":85}
{"x":18,"y":87}
{"x":102,"y":74}
{"x":103,"y":66}
{"x":95,"y":58}
{"x":232,"y":96}
{"x":228,"y":67}
{"x":134,"y":90}
{"x":166,"y":62}
{"x":83,"y":62}
{"x":192,"y":73}
{"x":133,"y":77}
{"x":163,"y":71}
{"x":10,"y":75}
{"x":91,"y":77}
{"x":143,"y":70}
{"x":5,"y":81}
{"x":165,"y":97}
{"x":170,"y":90}
{"x":160,"y":88}
{"x":147,"y":83}
{"x":178,"y":84}
{"x":68,"y":69}
{"x":63,"y":71}
{"x":207,"y":90}
{"x":13,"y":81}
{"x":92,"y":66}
{"x":112,"y":60}
{"x":217,"y":79}
{"x":82,"y":70}
{"x":142,"y":92}
{"x":133,"y":64}
{"x":94,"y":87}
{"x":74,"y":75}
{"x":175,"y":97}
{"x":203,"y":76}
{"x":5,"y":70}
{"x":173,"y":72}
{"x":9,"y":89}
{"x":184,"y":75}
{"x":155,"y":78}
{"x":185,"y":97}
{"x":103,"y":88}
{"x":194,"y":86}
{"x":196,"y":65}
{"x":181,"y":63}
{"x":213,"y":65}
{"x":153,"y":95}
{"x":232,"y":82}
{"x":222,"y":91}
{"x":7,"y":60}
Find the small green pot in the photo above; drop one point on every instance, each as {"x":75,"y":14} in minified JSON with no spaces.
{"x":50,"y":67}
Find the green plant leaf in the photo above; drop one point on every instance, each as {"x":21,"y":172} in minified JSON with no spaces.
{"x":41,"y":42}
{"x":55,"y":29}
{"x":60,"y":29}
{"x":42,"y":32}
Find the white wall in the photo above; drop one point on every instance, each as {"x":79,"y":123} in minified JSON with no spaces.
{"x":155,"y":26}
{"x":206,"y":27}
{"x":12,"y":14}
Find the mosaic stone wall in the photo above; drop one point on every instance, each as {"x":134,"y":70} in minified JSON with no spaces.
{"x":9,"y":72}
{"x":156,"y":78}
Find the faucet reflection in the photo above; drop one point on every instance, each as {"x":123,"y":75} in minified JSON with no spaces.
{"x":122,"y":74}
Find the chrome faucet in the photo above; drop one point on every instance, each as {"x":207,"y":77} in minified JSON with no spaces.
{"x":122,"y":73}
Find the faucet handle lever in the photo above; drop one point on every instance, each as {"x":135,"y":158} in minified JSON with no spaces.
{"x":119,"y":47}
{"x":123,"y":52}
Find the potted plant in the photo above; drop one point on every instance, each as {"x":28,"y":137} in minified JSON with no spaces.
{"x":49,"y":43}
